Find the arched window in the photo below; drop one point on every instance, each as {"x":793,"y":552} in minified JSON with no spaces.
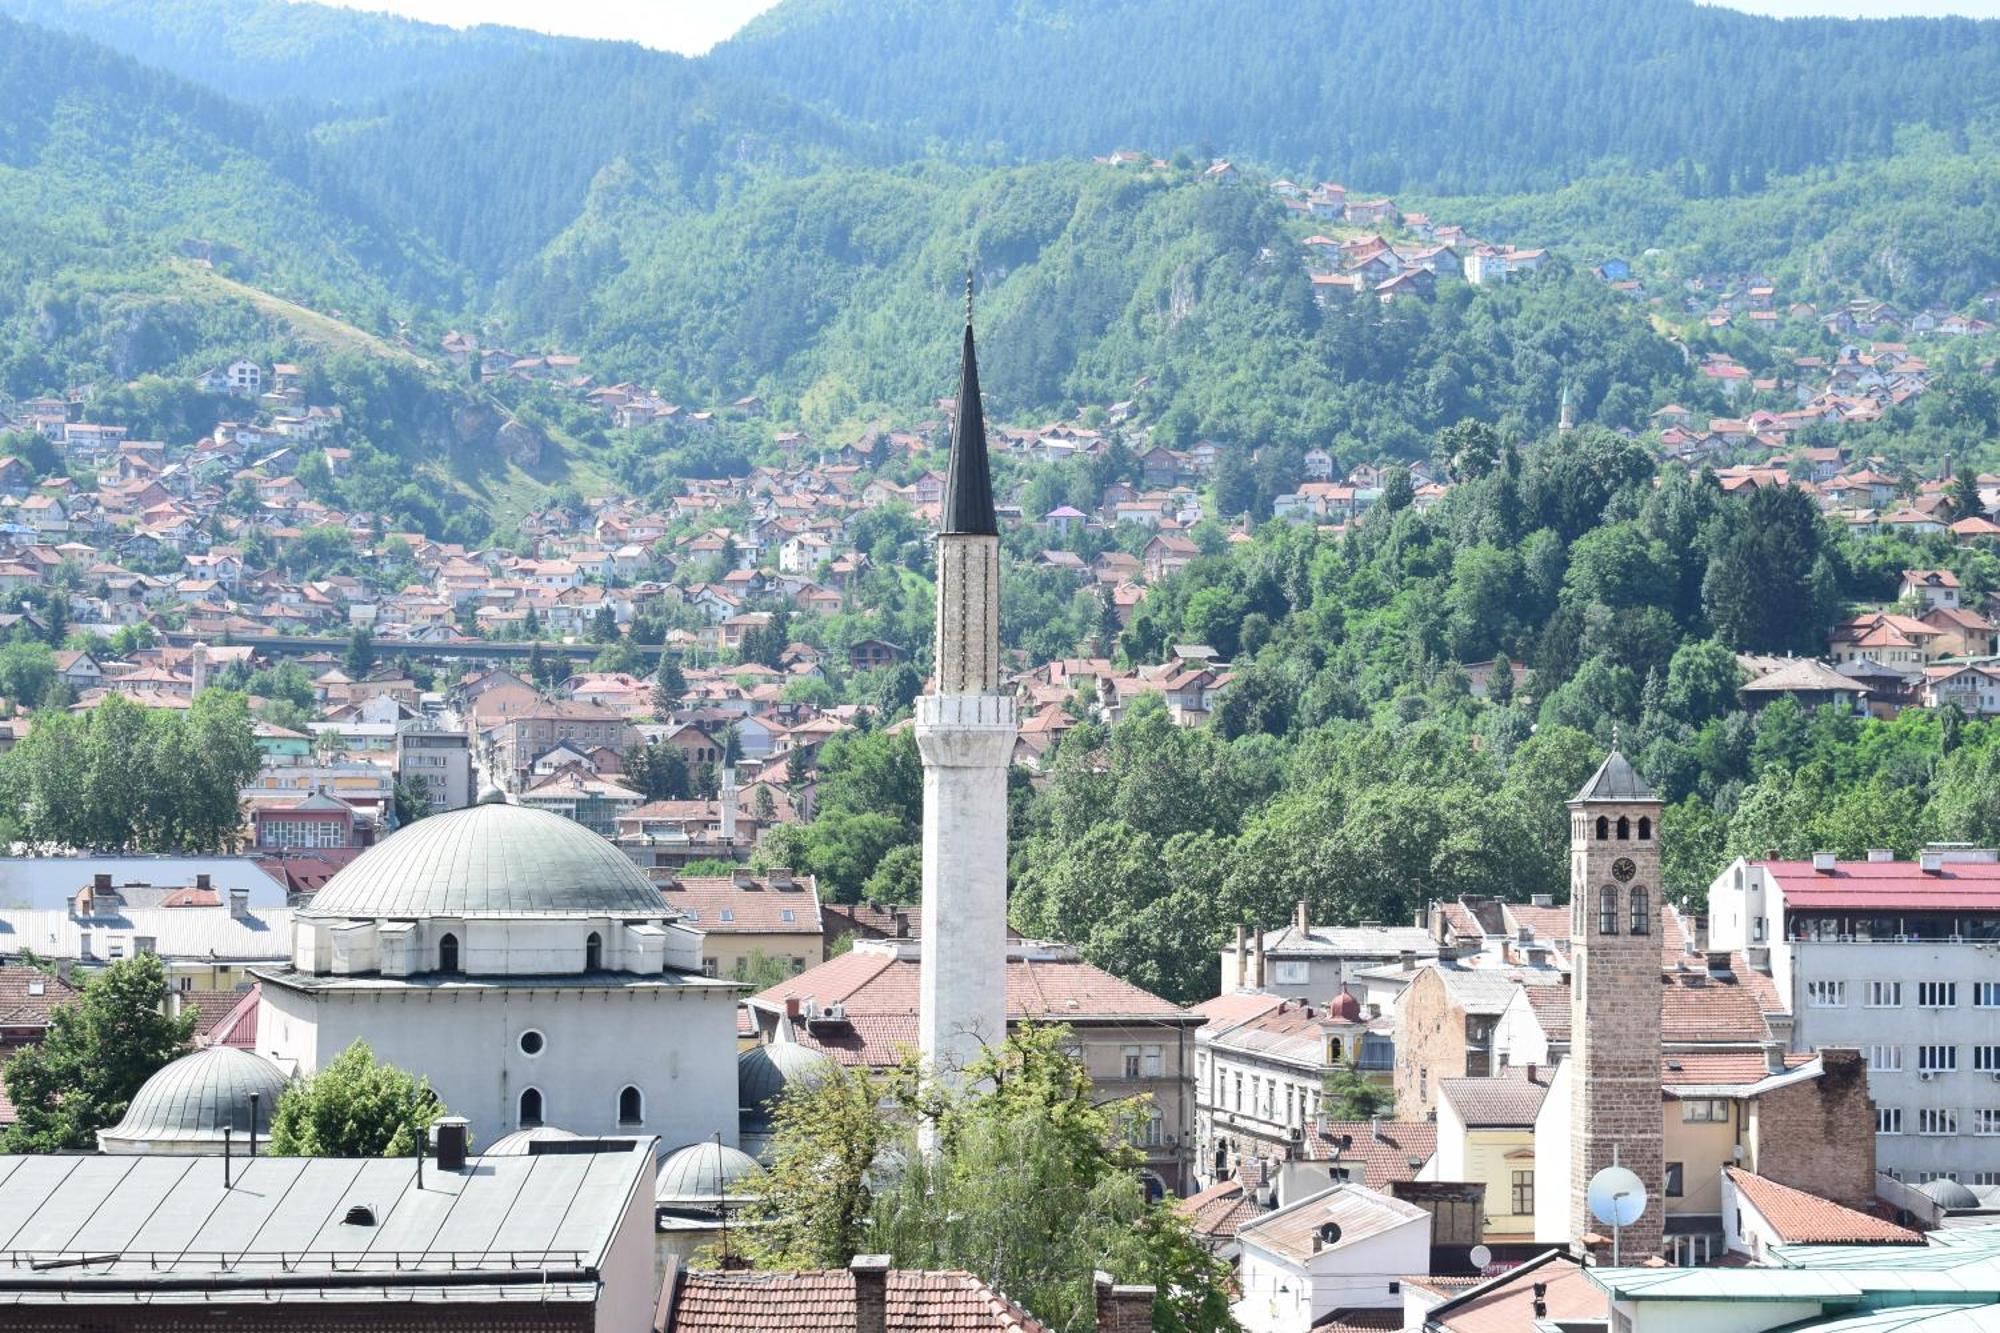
{"x":1607,"y":911}
{"x":448,"y":953}
{"x":1624,"y":829}
{"x":631,"y":1107}
{"x":1645,"y":828}
{"x":1603,"y":828}
{"x":531,"y":1108}
{"x":1642,"y":915}
{"x":593,"y":952}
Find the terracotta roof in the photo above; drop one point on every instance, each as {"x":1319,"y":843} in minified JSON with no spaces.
{"x":1236,"y":1007}
{"x":878,"y":990}
{"x":1696,"y":1007}
{"x":754,"y":909}
{"x":1511,"y":1097}
{"x":28,"y":996}
{"x":1507,"y":1303}
{"x":1862,"y":885}
{"x":1686,"y":1069}
{"x":1383,"y":1148}
{"x":1216,"y":1212}
{"x":1806,"y":1219}
{"x":754,"y":1302}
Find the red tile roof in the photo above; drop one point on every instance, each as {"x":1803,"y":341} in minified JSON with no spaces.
{"x":753,"y":909}
{"x":878,"y":991}
{"x":1237,"y":1007}
{"x":1686,"y":1069}
{"x":1216,"y":1212}
{"x":28,"y":996}
{"x":1888,"y":885}
{"x":1806,"y":1219}
{"x":823,"y":1301}
{"x":1696,"y":1007}
{"x":1511,"y":1097}
{"x":1384,"y":1149}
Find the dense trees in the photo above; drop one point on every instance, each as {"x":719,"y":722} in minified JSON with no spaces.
{"x":125,"y":778}
{"x":354,"y":1107}
{"x":1030,"y":1188}
{"x":99,"y":1049}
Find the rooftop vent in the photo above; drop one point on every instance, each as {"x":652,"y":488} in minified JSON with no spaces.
{"x":1932,"y":863}
{"x":1542,"y":899}
{"x":360,"y":1215}
{"x":1822,"y":863}
{"x":1880,"y":855}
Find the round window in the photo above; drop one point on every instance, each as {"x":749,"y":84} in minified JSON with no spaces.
{"x":531,"y":1042}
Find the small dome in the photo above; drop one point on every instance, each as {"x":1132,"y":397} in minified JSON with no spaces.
{"x":516,"y":1144}
{"x":1344,"y":1008}
{"x":197,"y":1097}
{"x":764,"y":1072}
{"x":700,"y":1173}
{"x":489,"y":860}
{"x":1947,"y":1193}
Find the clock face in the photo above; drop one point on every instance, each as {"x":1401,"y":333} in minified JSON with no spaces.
{"x":1622,"y":870}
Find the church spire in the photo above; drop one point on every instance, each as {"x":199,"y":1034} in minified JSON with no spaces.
{"x":968,"y":489}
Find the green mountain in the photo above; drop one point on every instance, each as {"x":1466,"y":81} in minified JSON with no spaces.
{"x":266,"y":51}
{"x":1440,"y":95}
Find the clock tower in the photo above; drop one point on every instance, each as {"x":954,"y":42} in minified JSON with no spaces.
{"x":1615,"y":979}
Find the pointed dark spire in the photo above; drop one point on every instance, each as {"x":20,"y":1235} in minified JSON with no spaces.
{"x":968,"y":489}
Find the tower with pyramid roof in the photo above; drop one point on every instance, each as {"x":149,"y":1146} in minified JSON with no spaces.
{"x":1615,"y":1108}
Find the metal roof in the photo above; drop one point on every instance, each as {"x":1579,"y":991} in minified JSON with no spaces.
{"x":1615,"y":780}
{"x":48,"y":881}
{"x":197,"y":1097}
{"x":159,"y":1227}
{"x":489,"y":860}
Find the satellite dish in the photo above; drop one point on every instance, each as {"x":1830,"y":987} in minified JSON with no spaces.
{"x":1481,"y":1256}
{"x":1617,"y":1196}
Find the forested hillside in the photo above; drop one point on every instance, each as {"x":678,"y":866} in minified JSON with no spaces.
{"x":1439,"y":94}
{"x":307,"y":57}
{"x":833,"y":295}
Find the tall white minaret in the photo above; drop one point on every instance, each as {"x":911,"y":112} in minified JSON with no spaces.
{"x":966,"y":734}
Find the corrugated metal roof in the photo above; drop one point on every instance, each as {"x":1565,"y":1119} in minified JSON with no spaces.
{"x":149,"y":1217}
{"x":1968,"y":886}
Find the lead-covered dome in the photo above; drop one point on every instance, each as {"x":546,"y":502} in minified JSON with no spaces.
{"x":186,"y":1105}
{"x":1948,"y":1193}
{"x":489,"y":860}
{"x":764,"y":1072}
{"x":705,"y":1174}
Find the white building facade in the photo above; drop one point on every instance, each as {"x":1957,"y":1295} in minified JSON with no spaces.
{"x":1902,"y":960}
{"x":523,"y":966}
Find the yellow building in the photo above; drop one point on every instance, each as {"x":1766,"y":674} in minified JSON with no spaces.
{"x":750,"y":922}
{"x":1486,"y":1135}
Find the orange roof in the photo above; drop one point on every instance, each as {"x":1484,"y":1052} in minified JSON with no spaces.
{"x":939,"y":1302}
{"x":1806,"y":1219}
{"x":1387,"y":1150}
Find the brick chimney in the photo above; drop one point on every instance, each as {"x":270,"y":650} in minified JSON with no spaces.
{"x":1242,"y":942}
{"x":1257,"y":960}
{"x":1300,"y":918}
{"x":871,"y":1292}
{"x":1127,"y":1309}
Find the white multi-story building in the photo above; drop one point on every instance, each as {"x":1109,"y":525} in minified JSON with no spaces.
{"x":1900,"y":959}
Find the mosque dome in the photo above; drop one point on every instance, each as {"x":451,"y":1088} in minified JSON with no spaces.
{"x":764,"y":1071}
{"x":516,"y":1144}
{"x":702,"y":1174}
{"x":1947,"y":1193}
{"x":489,"y":860}
{"x":186,"y":1106}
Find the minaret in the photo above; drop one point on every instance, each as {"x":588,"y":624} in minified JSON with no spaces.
{"x":966,"y":734}
{"x":1614,"y":885}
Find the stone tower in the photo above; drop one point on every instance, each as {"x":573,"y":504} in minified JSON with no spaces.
{"x":965,"y":731}
{"x":1614,"y":878}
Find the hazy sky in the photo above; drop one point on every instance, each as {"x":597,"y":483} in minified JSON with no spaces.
{"x":692,"y":26}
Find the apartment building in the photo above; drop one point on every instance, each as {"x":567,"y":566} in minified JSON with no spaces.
{"x":1902,"y":960}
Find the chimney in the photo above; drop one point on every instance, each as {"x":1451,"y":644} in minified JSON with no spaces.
{"x":1375,"y":1128}
{"x":871,"y":1292}
{"x":1257,"y":961}
{"x":1237,"y":958}
{"x":1299,"y":918}
{"x":101,"y":883}
{"x":1931,"y":863}
{"x":239,"y":903}
{"x":1774,"y":1057}
{"x":1531,"y":1071}
{"x":1879,"y":855}
{"x":1542,"y":899}
{"x":449,"y":1135}
{"x":792,"y":1007}
{"x":1822,"y":863}
{"x":201,"y":881}
{"x":1541,"y":1300}
{"x":780,"y":877}
{"x":1122,"y":1309}
{"x":729,"y":803}
{"x":1718,"y":962}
